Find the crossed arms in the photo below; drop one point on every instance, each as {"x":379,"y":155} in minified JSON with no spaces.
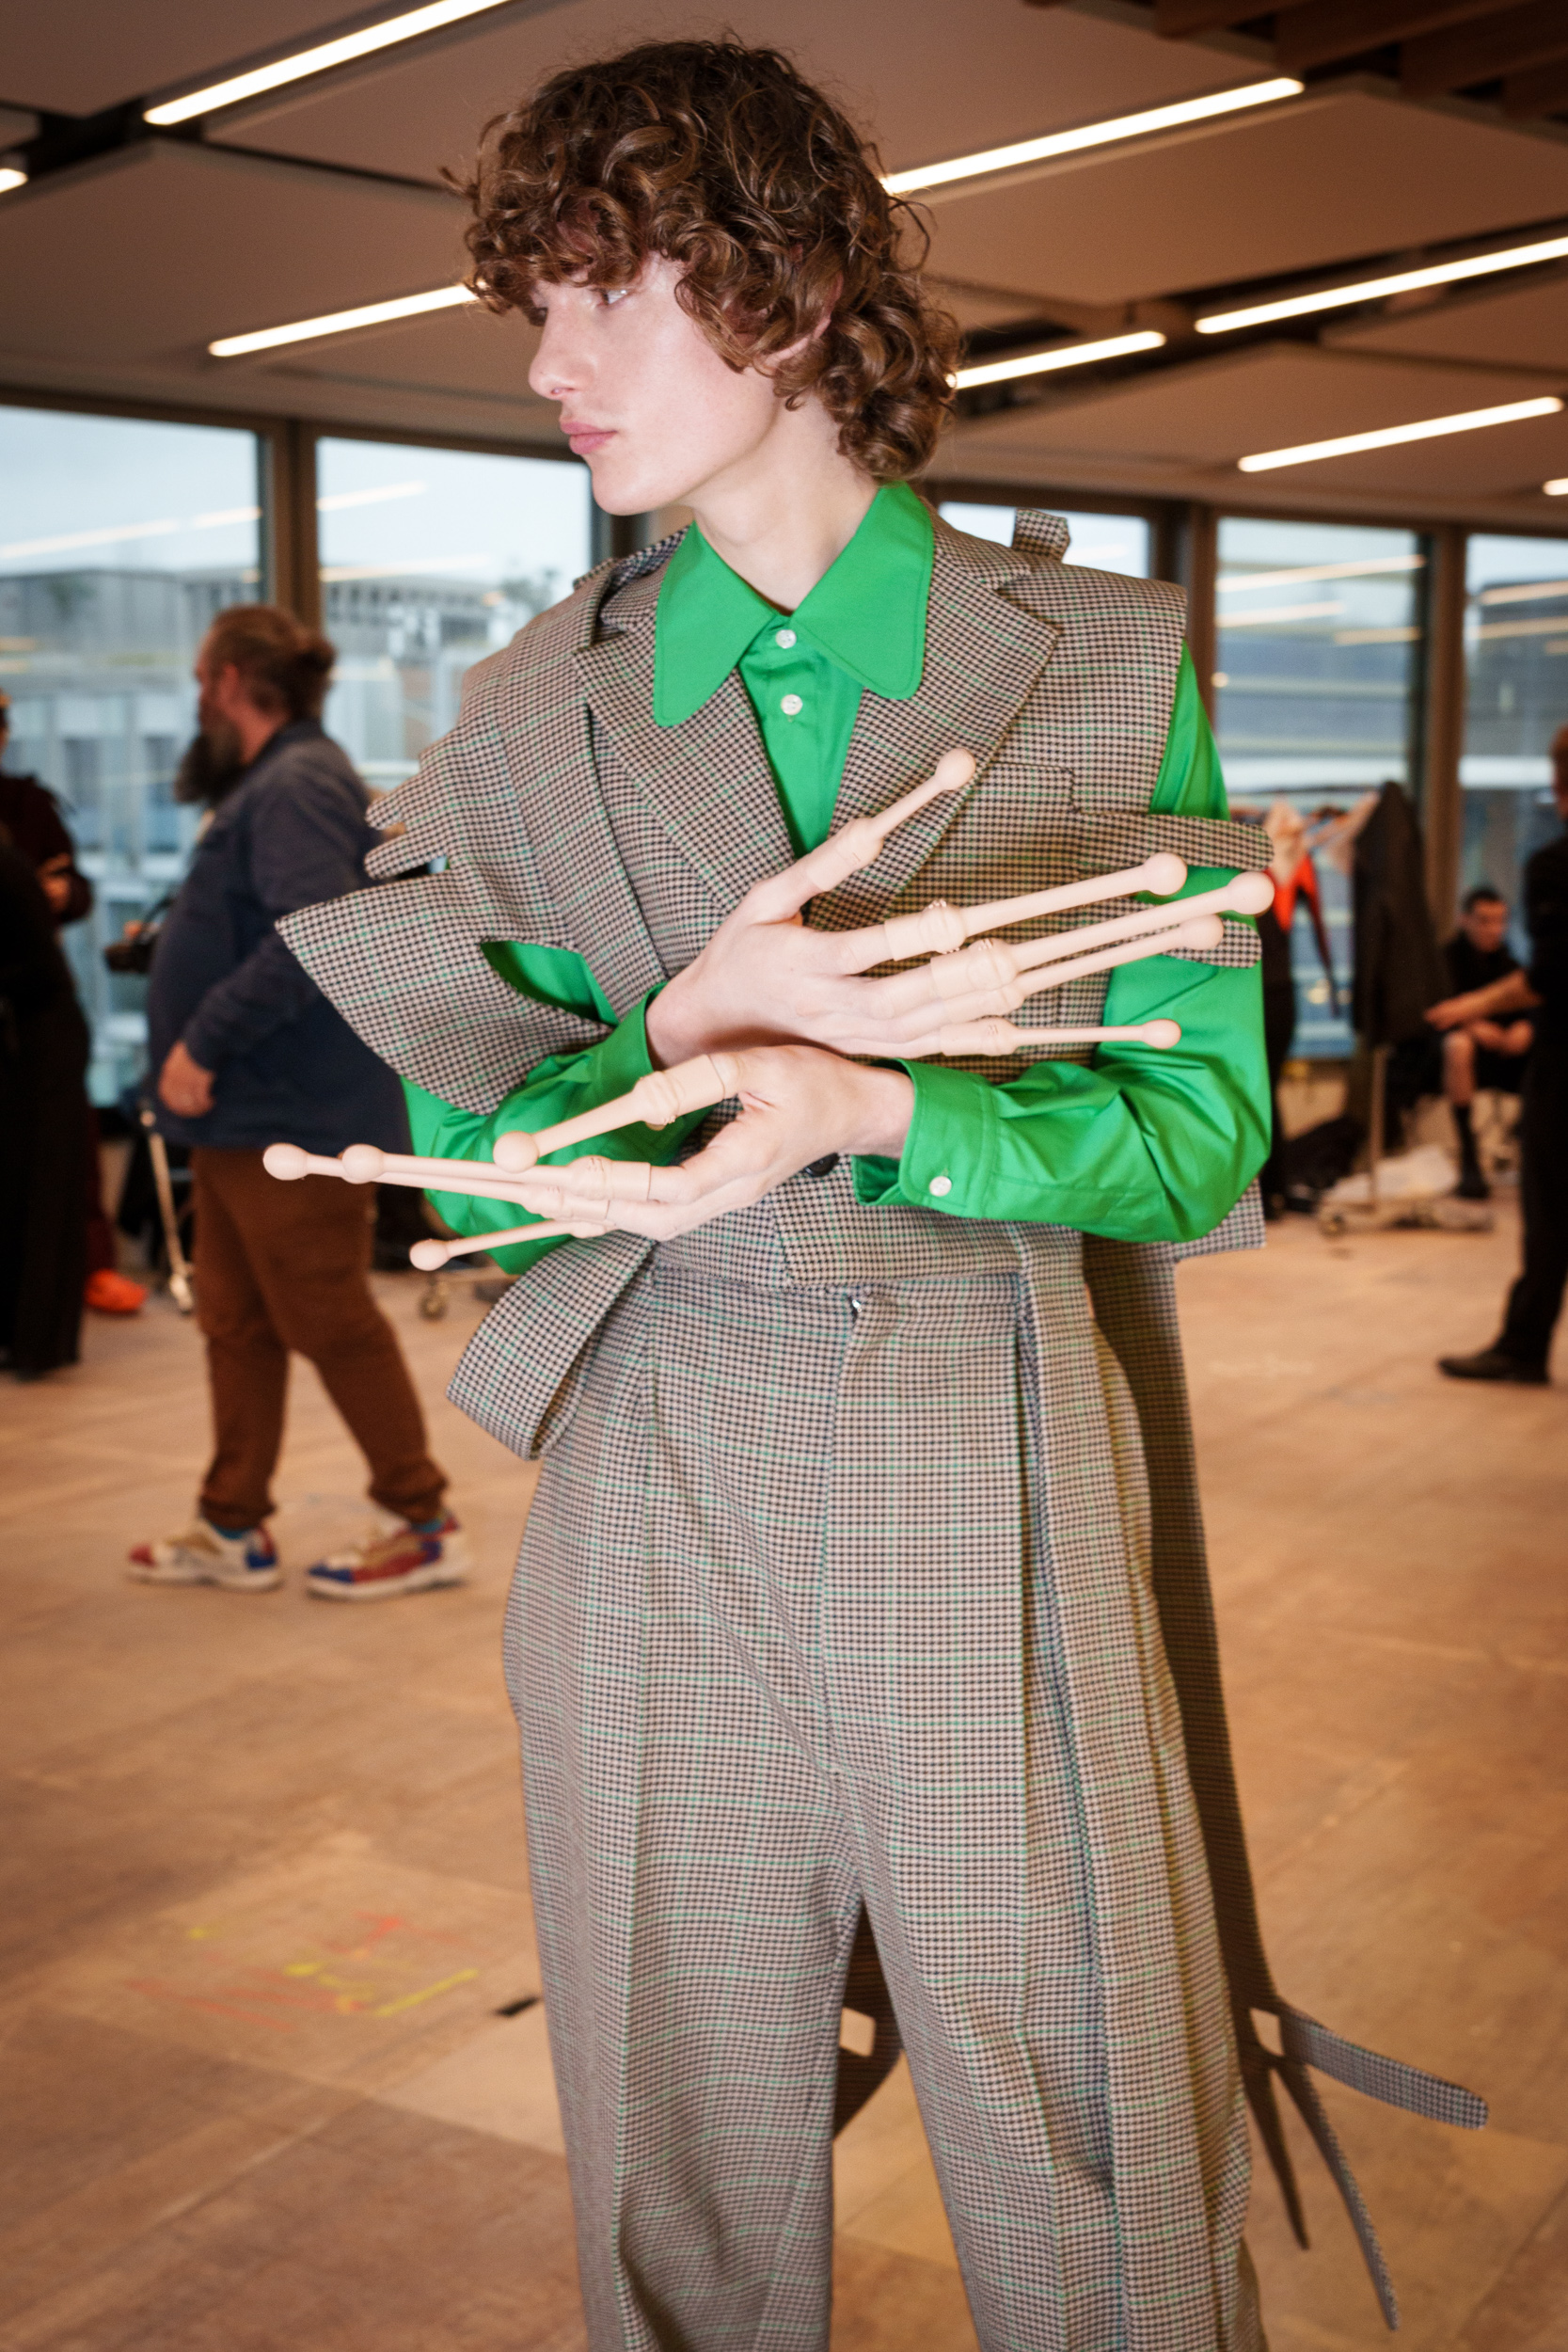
{"x":768,"y":1015}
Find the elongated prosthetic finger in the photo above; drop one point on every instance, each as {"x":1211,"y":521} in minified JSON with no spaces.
{"x":288,"y":1162}
{"x":939,"y":928}
{"x":974,"y":967}
{"x":431,"y":1256}
{"x":1005,"y":1037}
{"x":988,"y":1004}
{"x":855,"y":846}
{"x":591,"y":1188}
{"x":656,"y":1100}
{"x":364,"y":1163}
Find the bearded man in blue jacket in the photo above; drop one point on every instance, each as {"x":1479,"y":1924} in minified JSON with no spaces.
{"x":249,"y":1052}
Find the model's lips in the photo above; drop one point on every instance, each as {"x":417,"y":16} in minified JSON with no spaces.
{"x":585,"y":437}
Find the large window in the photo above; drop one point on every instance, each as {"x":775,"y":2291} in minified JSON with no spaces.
{"x":1107,"y":543}
{"x":120,"y":539}
{"x":1317,"y":667}
{"x":1516,"y":677}
{"x":432,"y":558}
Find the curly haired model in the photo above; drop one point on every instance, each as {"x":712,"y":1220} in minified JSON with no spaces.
{"x":838,"y":1628}
{"x":722,"y":160}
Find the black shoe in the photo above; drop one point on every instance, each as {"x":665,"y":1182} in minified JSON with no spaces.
{"x":1491,"y":1364}
{"x":1472,"y":1184}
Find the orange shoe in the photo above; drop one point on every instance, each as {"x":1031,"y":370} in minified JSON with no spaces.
{"x":113,"y":1294}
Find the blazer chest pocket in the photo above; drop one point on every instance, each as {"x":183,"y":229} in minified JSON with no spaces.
{"x":1015,"y":833}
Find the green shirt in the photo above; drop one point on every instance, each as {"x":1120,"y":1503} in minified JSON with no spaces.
{"x":1139,"y":1145}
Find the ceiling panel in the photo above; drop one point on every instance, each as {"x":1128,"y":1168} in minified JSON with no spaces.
{"x":1219,"y":410}
{"x":76,"y":57}
{"x":1020,"y":70}
{"x":1524,"y":326}
{"x":166,"y":246}
{"x":469,"y":356}
{"x":1297,"y":187}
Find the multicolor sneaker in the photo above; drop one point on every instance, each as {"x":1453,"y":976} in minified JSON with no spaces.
{"x":246,"y":1563}
{"x":409,"y":1559}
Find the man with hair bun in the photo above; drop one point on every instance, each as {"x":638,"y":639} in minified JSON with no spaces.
{"x":248,"y":1052}
{"x":864,"y":1579}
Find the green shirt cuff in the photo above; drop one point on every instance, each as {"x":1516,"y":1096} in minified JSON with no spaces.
{"x":561,"y":1087}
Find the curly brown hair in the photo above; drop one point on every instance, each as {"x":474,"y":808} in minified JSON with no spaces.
{"x":724,"y":160}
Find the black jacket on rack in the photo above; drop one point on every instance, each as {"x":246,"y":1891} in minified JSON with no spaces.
{"x":1399,"y":967}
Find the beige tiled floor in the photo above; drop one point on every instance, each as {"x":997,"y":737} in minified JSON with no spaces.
{"x":266,"y":1894}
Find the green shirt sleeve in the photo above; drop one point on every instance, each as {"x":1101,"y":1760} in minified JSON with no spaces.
{"x":1140,"y":1144}
{"x":559,"y":1087}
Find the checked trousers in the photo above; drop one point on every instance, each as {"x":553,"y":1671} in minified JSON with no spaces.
{"x":785,"y":1636}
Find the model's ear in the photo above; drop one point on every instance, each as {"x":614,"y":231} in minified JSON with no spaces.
{"x":777,"y":360}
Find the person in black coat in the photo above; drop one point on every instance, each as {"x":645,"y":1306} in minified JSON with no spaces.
{"x":1521,"y":1349}
{"x":31,"y":816}
{"x":43,"y":1060}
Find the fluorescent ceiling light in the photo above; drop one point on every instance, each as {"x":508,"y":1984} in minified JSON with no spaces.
{"x":340,"y":322}
{"x":12,"y":178}
{"x":415,"y":567}
{"x":1429,"y":429}
{"x":64,"y":543}
{"x":1061,"y":356}
{"x":1558,"y":489}
{"x":334,"y":501}
{"x":317,"y":60}
{"x":1522,"y":629}
{"x":1229,"y":580}
{"x":1279,"y":612}
{"x":1524,"y":592}
{"x":1371,"y":289}
{"x":1138,"y":126}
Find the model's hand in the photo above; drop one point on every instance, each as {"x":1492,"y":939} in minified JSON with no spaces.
{"x":797,"y":1105}
{"x":764,"y":977}
{"x":185,"y":1086}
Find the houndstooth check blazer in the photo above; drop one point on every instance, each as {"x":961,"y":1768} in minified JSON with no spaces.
{"x":557,"y":814}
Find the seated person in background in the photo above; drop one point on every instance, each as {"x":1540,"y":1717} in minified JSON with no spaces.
{"x":1480,"y":1053}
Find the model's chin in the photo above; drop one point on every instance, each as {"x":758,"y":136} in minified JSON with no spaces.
{"x":616,"y":491}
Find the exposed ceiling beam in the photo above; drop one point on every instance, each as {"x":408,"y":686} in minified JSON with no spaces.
{"x":1508,"y":42}
{"x":1326,"y":30}
{"x":1174,"y":19}
{"x":1543,"y":91}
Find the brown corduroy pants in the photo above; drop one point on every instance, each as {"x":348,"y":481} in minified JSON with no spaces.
{"x":286,"y":1266}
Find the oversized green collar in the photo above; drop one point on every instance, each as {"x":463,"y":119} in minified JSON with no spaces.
{"x":866,"y":613}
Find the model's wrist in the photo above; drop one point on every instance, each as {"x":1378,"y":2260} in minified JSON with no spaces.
{"x":884,"y":1109}
{"x":672,"y":1035}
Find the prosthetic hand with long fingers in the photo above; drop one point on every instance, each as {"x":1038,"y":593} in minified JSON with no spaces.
{"x":801,"y":1099}
{"x":764,"y":977}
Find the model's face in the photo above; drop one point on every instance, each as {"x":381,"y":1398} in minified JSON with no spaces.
{"x":1487,"y":925}
{"x":645,"y":397}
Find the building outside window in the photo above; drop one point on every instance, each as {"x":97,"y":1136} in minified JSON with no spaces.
{"x":120,"y":539}
{"x":430,"y":560}
{"x":1516,"y":697}
{"x":1107,"y":543}
{"x":1317,"y":673}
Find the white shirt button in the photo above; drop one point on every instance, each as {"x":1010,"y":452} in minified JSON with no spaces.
{"x":791,"y":706}
{"x":941,"y":1185}
{"x":784,"y":637}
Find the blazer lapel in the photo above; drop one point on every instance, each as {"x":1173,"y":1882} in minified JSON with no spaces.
{"x":707,"y":780}
{"x":983,"y":657}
